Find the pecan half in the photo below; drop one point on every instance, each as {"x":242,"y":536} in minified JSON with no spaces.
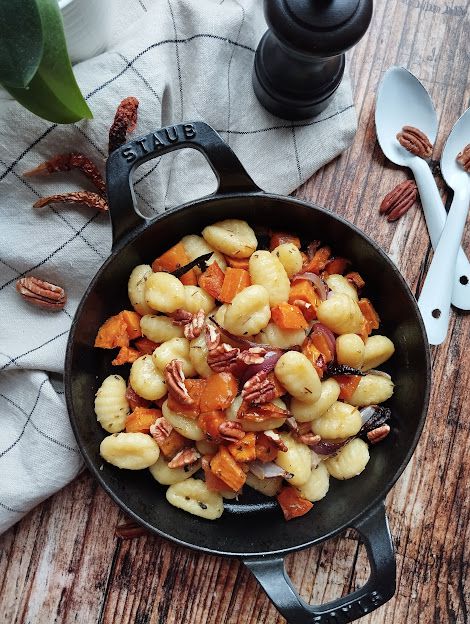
{"x":276,"y":440}
{"x":399,"y":200}
{"x":253,"y":355}
{"x":174,"y":378}
{"x":259,"y":389}
{"x":310,"y":439}
{"x":67,"y":162}
{"x":186,"y":457}
{"x":181,"y":317}
{"x":194,"y":328}
{"x":160,"y":430}
{"x":212,"y":336}
{"x":223,"y":358}
{"x":355,"y":279}
{"x":261,"y":412}
{"x":415,"y":141}
{"x":377,"y":435}
{"x":125,"y":121}
{"x":193,"y":323}
{"x":130,"y":530}
{"x":40,"y":293}
{"x":231,"y":430}
{"x":92,"y":200}
{"x":463,"y":158}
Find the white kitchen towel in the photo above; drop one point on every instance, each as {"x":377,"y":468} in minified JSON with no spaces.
{"x":184,"y":60}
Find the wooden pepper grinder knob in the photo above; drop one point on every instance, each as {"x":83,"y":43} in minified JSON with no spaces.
{"x":300,"y":60}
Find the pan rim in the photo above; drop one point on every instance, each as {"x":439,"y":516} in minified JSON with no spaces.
{"x":374,"y":503}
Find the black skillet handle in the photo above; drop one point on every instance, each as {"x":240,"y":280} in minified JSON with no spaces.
{"x":271,"y":574}
{"x":230,"y":173}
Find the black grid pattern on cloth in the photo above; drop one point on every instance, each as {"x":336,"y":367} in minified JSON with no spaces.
{"x":33,"y":424}
{"x":17,"y":357}
{"x":28,"y":419}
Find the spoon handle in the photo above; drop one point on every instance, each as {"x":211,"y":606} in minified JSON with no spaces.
{"x":434,"y":301}
{"x":435,"y":215}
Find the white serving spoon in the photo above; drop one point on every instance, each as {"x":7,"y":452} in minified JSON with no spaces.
{"x":403,"y":101}
{"x":434,"y":301}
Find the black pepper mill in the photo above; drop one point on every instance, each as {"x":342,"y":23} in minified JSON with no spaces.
{"x":300,"y":60}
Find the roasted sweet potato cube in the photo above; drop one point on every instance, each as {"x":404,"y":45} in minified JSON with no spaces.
{"x":226,"y":468}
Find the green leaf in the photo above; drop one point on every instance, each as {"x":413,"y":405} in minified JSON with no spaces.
{"x":53,"y":93}
{"x":21,"y":42}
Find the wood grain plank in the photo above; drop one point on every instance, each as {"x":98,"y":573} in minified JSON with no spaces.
{"x":62,"y":562}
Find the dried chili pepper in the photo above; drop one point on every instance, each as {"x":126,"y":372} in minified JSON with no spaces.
{"x":199,"y":262}
{"x":92,"y":200}
{"x":124,"y":122}
{"x":66,"y":162}
{"x":341,"y":369}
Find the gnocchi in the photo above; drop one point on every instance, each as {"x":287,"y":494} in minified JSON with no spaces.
{"x":195,"y":246}
{"x":290,"y":258}
{"x":111,"y":406}
{"x":339,"y":284}
{"x":164,"y":292}
{"x":159,"y":328}
{"x":267,"y":270}
{"x":198,"y":355}
{"x":277,"y":367}
{"x":193,"y":496}
{"x":146,"y":380}
{"x":247,"y":425}
{"x":133,"y":451}
{"x":174,"y":349}
{"x":296,"y":460}
{"x":249,"y":311}
{"x":377,"y":350}
{"x":282,"y":338}
{"x":372,"y":389}
{"x":168,"y":476}
{"x":341,"y":314}
{"x":197,"y":299}
{"x":339,"y":421}
{"x":350,"y":461}
{"x":305,"y":412}
{"x":298,"y":376}
{"x":232,"y":237}
{"x":184,"y":425}
{"x":136,"y":288}
{"x":350,"y":350}
{"x":269,"y":487}
{"x":317,"y":485}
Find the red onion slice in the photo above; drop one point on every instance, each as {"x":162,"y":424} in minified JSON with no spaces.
{"x":241,"y":342}
{"x":268,"y":470}
{"x":267,"y":365}
{"x":319,"y":328}
{"x":318,"y":283}
{"x":378,"y":373}
{"x":326,"y":447}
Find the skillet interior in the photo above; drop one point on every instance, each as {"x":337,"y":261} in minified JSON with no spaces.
{"x":255,"y":524}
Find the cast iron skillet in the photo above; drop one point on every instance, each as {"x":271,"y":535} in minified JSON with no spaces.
{"x":254,"y":528}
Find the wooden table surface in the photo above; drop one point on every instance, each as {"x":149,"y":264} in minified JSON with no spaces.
{"x":62,"y":563}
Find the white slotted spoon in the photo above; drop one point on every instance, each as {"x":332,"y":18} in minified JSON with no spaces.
{"x":434,"y":300}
